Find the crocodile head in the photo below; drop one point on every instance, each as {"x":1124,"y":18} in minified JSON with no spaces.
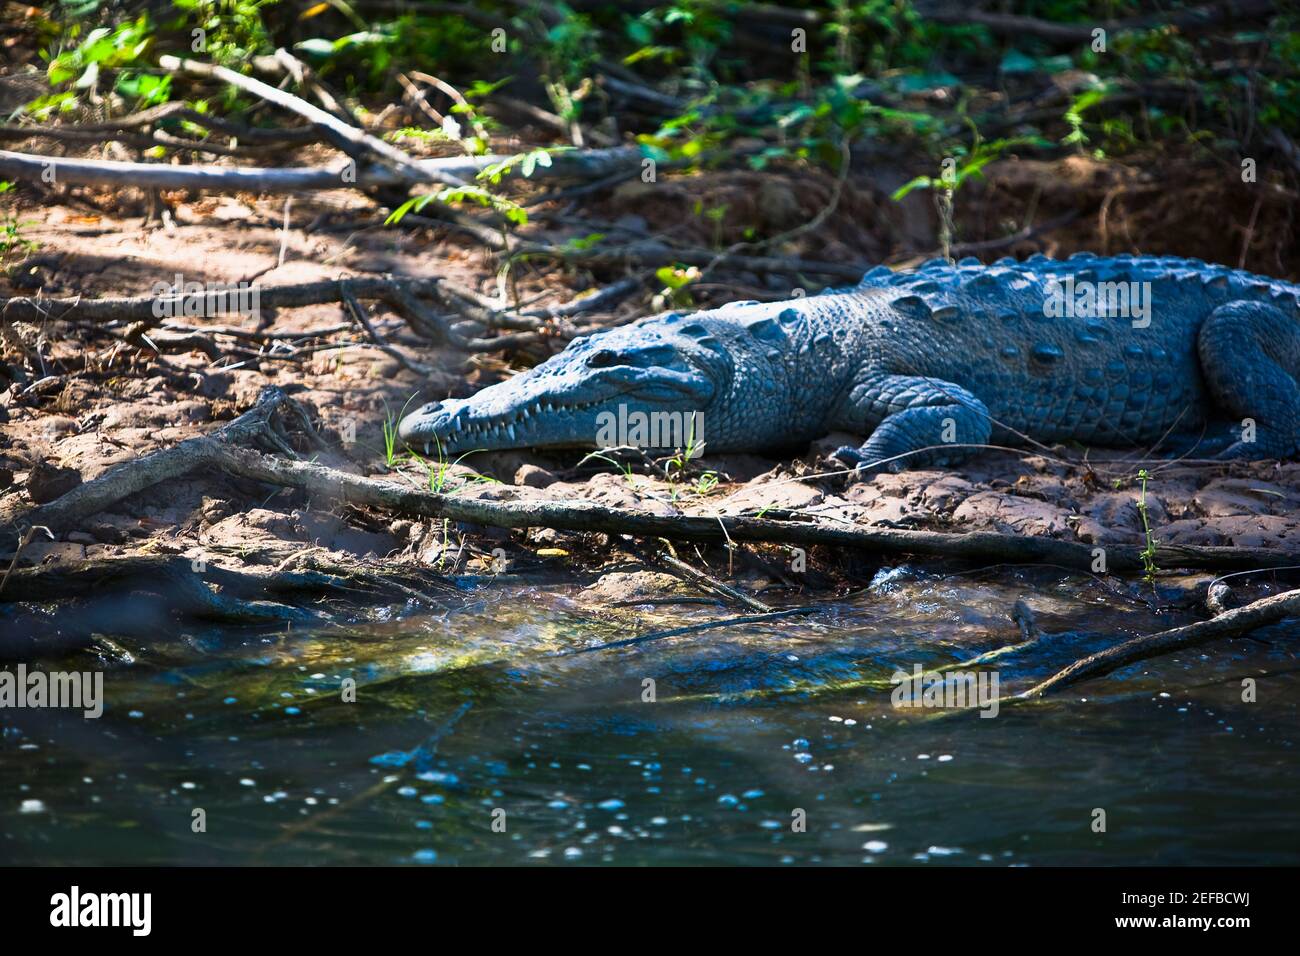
{"x":624,"y":375}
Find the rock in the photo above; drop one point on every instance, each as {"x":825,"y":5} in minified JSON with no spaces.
{"x":1091,"y":531}
{"x":621,"y":586}
{"x":46,"y":482}
{"x":1118,"y":511}
{"x":214,"y":509}
{"x":80,"y":537}
{"x":864,"y":503}
{"x":498,"y":464}
{"x":532,"y":476}
{"x":54,"y":427}
{"x":766,"y":495}
{"x":615,"y":491}
{"x":1229,"y":497}
{"x":943,"y":495}
{"x":108,"y":534}
{"x":780,"y":207}
{"x":1013,"y":515}
{"x":255,"y":528}
{"x":555,"y":538}
{"x":6,"y":478}
{"x":1241,"y":531}
{"x":38,"y":552}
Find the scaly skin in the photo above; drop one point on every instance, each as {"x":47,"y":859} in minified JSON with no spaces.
{"x":923,"y":363}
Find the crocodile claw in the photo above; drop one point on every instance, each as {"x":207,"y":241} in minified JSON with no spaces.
{"x":854,"y":459}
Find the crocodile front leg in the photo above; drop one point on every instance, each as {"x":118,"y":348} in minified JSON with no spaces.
{"x":913,"y":422}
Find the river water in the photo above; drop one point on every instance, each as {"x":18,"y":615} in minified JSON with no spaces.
{"x":476,"y":736}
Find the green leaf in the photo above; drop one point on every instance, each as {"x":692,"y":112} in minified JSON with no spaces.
{"x":920,"y":182}
{"x":316,"y":47}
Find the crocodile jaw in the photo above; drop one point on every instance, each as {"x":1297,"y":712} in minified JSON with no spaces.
{"x":457,"y":427}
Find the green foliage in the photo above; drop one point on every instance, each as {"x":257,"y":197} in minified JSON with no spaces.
{"x":875,"y":71}
{"x":965,"y":164}
{"x":232,"y":30}
{"x":526,"y":162}
{"x":1149,"y":567}
{"x":12,"y":241}
{"x":512,"y":211}
{"x":77,"y":60}
{"x":584,"y":243}
{"x":675,"y":279}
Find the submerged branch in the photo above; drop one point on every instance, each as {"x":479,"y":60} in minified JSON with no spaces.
{"x":1255,"y":615}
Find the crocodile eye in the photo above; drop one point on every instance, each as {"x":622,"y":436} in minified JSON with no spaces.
{"x":602,"y":358}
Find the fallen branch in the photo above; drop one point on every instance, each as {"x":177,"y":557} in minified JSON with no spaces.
{"x":357,"y":143}
{"x":358,"y":312}
{"x":220,"y":450}
{"x":578,"y":164}
{"x":589,"y":516}
{"x":155,"y":115}
{"x":1255,"y":615}
{"x":410,"y":297}
{"x":398,"y":291}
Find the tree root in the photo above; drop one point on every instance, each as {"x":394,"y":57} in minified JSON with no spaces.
{"x":94,"y":496}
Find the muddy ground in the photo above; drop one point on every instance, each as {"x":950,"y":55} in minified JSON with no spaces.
{"x":80,"y":400}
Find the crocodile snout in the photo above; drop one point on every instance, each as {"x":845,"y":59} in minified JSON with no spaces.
{"x":408,"y":426}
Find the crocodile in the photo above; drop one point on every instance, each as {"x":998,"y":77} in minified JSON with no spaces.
{"x":929,"y":364}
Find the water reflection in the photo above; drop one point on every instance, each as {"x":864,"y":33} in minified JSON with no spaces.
{"x":475,"y":736}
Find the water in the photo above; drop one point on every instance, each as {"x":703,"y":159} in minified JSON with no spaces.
{"x":474,"y":739}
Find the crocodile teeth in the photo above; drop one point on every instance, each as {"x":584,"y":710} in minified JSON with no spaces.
{"x":426,"y":448}
{"x":511,"y":432}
